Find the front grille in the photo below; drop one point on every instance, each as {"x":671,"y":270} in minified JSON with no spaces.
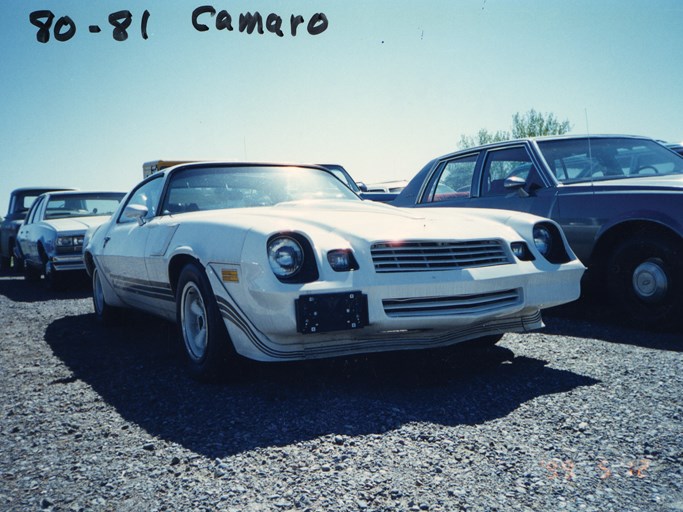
{"x":454,"y":305}
{"x":421,"y":256}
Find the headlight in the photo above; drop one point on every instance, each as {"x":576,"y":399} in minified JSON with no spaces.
{"x":64,"y":241}
{"x":285,"y":255}
{"x":521,"y":251}
{"x":543,"y":239}
{"x":342,"y":260}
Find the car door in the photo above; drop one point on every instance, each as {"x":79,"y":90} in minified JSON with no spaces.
{"x":451,"y":184}
{"x":511,"y":179}
{"x":29,"y":233}
{"x":123,"y":252}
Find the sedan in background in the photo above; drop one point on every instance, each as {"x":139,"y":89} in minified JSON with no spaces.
{"x":359,"y":187}
{"x":619,"y":200}
{"x":50,"y":241}
{"x":284,"y":262}
{"x":19,"y":202}
{"x":678,"y":148}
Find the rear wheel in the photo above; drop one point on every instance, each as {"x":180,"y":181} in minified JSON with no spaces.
{"x":208,"y":348}
{"x":645,"y":280}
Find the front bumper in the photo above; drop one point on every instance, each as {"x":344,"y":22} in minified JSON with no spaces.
{"x":68,"y":262}
{"x":404,"y":311}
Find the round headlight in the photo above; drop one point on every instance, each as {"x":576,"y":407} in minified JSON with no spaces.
{"x":286,"y":256}
{"x":543,"y":239}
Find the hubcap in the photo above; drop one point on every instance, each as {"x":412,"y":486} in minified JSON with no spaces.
{"x":98,"y":293}
{"x":193,"y":321}
{"x":650,"y":281}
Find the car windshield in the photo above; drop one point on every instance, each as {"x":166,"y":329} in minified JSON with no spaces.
{"x":587,"y":159}
{"x":218,"y":187}
{"x":82,"y":205}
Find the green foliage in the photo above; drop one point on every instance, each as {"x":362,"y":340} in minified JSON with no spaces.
{"x":482,"y":137}
{"x":534,"y":124}
{"x":530,"y":124}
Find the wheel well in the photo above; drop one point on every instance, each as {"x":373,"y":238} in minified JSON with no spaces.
{"x":176,"y":265}
{"x":617,"y":234}
{"x":89,"y":263}
{"x":42,"y":253}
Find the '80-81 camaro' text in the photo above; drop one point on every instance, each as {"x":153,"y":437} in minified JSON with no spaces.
{"x":203,"y":19}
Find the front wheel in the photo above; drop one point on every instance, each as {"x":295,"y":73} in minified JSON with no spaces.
{"x":104,"y":313}
{"x":645,"y":280}
{"x":54,"y":280}
{"x":208,"y":348}
{"x":30,"y":273}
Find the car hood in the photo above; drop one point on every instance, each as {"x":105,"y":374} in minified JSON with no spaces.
{"x":76,"y":224}
{"x":368,"y":220}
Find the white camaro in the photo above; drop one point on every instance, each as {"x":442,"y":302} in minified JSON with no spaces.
{"x":281,"y":262}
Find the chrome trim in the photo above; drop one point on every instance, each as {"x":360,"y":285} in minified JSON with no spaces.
{"x":453,"y":305}
{"x":427,"y":255}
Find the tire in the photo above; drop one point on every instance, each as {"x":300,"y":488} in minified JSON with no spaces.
{"x":15,"y":262}
{"x":645,"y":280}
{"x":104,"y":313}
{"x":54,"y":280}
{"x":208,"y":349}
{"x":30,"y":273}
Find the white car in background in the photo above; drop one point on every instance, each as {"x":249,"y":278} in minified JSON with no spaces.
{"x":283,"y":262}
{"x":50,"y":241}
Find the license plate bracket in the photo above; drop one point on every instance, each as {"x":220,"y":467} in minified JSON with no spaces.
{"x":325,"y":312}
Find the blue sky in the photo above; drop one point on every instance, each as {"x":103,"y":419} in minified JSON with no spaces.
{"x":387,"y":86}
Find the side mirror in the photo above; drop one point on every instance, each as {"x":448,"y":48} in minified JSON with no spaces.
{"x":362,"y":186}
{"x":516,"y":183}
{"x":137,"y":212}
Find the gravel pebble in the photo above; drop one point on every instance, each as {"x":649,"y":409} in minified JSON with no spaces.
{"x":582,"y":415}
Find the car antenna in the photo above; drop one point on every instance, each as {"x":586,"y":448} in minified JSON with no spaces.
{"x":588,"y":133}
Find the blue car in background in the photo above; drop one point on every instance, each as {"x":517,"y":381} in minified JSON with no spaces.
{"x":618,"y":198}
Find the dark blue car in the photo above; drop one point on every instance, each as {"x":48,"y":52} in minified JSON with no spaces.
{"x":619,"y":200}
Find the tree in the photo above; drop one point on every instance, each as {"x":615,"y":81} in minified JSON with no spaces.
{"x":530,"y":124}
{"x":534,"y":124}
{"x":482,"y":137}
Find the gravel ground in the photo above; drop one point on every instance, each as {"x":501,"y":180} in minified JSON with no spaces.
{"x":583,"y":415}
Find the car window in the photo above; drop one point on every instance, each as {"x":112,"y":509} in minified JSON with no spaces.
{"x":211,"y":188}
{"x":454,"y":180}
{"x":27,"y":201}
{"x":85,"y":204}
{"x":501,"y":165}
{"x":147,"y":195}
{"x":31,"y":217}
{"x":573,"y":160}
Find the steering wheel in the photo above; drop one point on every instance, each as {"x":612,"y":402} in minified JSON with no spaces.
{"x":649,"y":167}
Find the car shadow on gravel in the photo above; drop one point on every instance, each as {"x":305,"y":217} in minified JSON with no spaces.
{"x":17,"y":289}
{"x":591,"y":317}
{"x":138,"y":369}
